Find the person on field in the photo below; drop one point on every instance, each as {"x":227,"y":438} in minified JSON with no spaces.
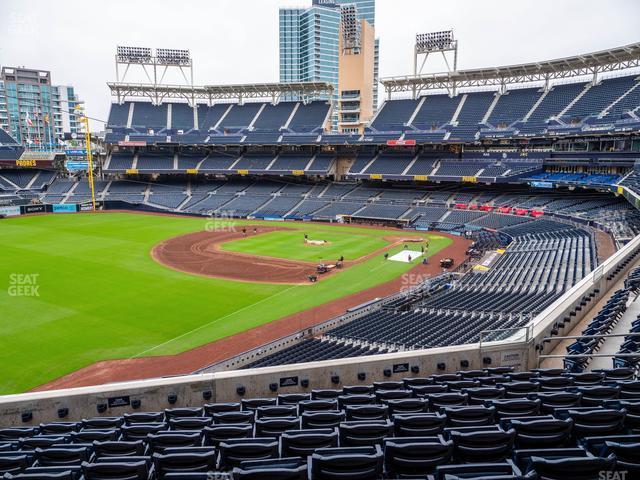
{"x":255,"y":230}
{"x":244,"y":232}
{"x":386,"y":256}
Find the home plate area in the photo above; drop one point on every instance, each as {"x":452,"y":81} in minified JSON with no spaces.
{"x":405,"y":256}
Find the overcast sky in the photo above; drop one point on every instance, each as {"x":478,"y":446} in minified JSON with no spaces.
{"x":236,"y":41}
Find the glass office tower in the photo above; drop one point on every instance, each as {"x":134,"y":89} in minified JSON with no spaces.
{"x":309,"y":41}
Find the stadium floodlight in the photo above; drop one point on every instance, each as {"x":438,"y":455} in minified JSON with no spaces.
{"x":350,"y":28}
{"x":435,"y":41}
{"x":133,"y":54}
{"x":172,"y":56}
{"x":154,"y":65}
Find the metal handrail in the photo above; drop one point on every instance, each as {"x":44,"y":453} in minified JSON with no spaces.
{"x":587,"y":355}
{"x":576,"y":337}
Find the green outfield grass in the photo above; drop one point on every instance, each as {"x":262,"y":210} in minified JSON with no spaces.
{"x":99,"y":295}
{"x":290,"y":244}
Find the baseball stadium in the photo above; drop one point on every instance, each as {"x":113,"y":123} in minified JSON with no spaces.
{"x":433,"y":275}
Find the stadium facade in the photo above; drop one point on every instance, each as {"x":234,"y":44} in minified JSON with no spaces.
{"x":34,"y":110}
{"x":312,"y":48}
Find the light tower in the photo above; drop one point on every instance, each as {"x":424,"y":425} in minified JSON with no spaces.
{"x":155,"y":65}
{"x":435,"y":42}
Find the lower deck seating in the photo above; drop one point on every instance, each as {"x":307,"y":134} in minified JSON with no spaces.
{"x":544,"y":260}
{"x":494,"y":423}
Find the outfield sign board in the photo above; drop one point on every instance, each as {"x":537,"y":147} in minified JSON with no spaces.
{"x":11,"y":211}
{"x":33,"y":209}
{"x":88,"y":207}
{"x":65,"y":208}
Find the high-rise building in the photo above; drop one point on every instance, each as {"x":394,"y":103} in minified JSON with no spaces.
{"x":312,"y":49}
{"x":35,"y":112}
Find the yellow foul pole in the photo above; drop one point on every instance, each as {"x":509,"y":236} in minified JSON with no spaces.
{"x":87,"y":140}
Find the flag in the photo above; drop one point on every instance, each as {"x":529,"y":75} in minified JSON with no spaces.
{"x":28,"y":119}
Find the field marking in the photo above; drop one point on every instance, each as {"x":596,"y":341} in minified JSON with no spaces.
{"x":210,"y":323}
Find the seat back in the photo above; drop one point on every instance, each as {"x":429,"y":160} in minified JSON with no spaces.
{"x":115,"y":470}
{"x":343,"y":463}
{"x":302,"y":443}
{"x":184,"y":462}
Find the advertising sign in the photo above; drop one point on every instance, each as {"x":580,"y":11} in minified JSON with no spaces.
{"x":65,"y":208}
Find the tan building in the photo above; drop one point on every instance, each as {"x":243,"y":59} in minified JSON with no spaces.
{"x":356,"y":67}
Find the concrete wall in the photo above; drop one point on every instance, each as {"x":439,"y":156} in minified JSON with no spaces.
{"x":222,"y":386}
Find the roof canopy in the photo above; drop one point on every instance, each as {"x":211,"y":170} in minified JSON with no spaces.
{"x":159,"y":93}
{"x":588,"y":64}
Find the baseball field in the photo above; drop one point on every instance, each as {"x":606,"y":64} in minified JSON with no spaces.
{"x":78,"y":289}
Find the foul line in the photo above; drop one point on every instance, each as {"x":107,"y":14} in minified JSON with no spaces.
{"x":209,"y":324}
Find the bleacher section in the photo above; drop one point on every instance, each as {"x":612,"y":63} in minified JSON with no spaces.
{"x":544,"y":259}
{"x":466,"y":209}
{"x":9,"y":148}
{"x":515,"y":113}
{"x":218,"y":124}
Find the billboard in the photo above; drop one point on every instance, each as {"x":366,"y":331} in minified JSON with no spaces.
{"x":65,"y":208}
{"x":76,"y":153}
{"x":11,"y":211}
{"x":76,"y":165}
{"x":401,"y":143}
{"x":33,"y":209}
{"x":541,"y":184}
